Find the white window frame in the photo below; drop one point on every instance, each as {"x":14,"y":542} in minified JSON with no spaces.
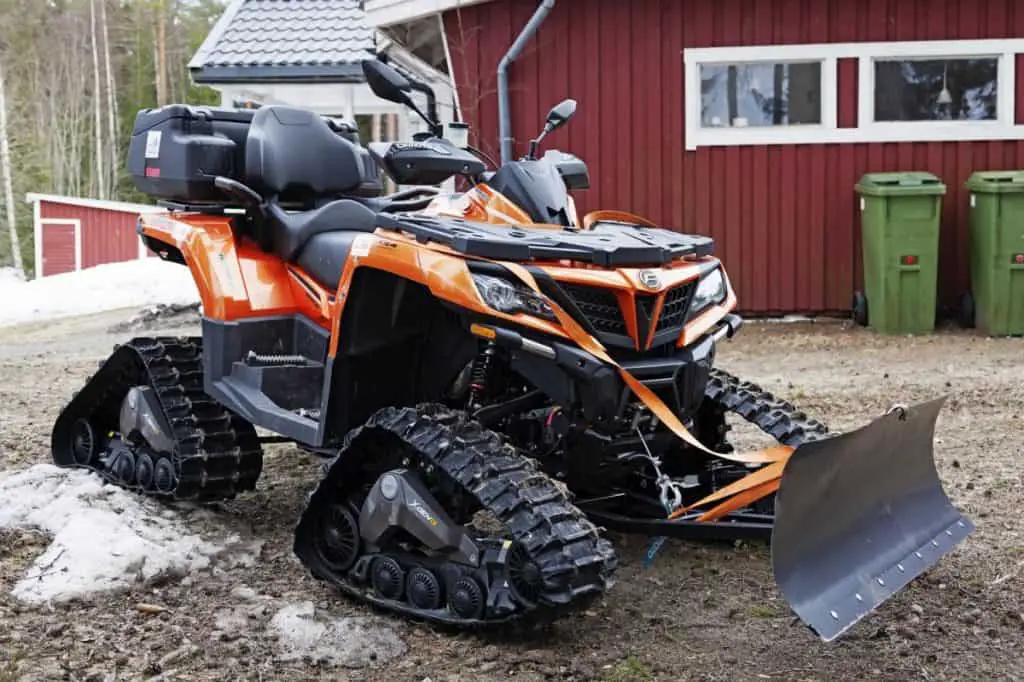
{"x":865,"y":130}
{"x":1002,"y":128}
{"x":699,"y":136}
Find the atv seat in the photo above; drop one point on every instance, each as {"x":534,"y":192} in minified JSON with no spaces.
{"x":290,"y":233}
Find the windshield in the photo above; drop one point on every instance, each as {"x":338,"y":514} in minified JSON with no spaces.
{"x":536,"y":186}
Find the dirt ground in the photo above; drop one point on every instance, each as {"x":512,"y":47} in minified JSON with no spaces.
{"x":702,"y":612}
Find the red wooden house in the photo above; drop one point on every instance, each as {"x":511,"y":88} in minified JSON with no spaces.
{"x":750,"y":120}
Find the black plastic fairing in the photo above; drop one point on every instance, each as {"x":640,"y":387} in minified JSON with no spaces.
{"x":537,"y":187}
{"x":572,"y":169}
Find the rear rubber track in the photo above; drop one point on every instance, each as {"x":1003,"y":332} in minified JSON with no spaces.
{"x":217,"y":454}
{"x":776,"y":417}
{"x":475,"y":465}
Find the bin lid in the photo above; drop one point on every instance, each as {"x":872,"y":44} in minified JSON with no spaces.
{"x":993,"y":182}
{"x":900,"y":184}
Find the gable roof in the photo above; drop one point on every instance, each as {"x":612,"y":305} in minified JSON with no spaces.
{"x":291,"y":40}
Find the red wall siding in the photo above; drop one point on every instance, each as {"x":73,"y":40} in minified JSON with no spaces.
{"x":107,"y":236}
{"x":784,"y":218}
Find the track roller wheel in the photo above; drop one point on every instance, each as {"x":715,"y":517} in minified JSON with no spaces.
{"x":387,"y":577}
{"x":144,"y":471}
{"x":423,"y":589}
{"x":466,"y":599}
{"x":524,"y":575}
{"x":123,"y":466}
{"x":164,"y":477}
{"x":83,"y":441}
{"x":337,"y":537}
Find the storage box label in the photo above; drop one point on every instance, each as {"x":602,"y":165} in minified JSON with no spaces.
{"x":153,"y":144}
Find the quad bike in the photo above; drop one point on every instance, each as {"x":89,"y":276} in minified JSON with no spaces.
{"x":492,"y":380}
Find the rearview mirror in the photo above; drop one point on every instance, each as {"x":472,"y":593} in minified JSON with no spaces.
{"x":560,"y":114}
{"x":385,"y":82}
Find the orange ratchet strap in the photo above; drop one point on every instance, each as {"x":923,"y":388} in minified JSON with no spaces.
{"x":649,"y":397}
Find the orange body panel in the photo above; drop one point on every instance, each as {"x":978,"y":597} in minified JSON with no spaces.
{"x":235,"y":278}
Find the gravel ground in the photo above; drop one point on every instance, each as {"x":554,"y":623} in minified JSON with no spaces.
{"x":702,"y":612}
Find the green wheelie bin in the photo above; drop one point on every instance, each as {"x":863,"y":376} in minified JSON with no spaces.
{"x":995,"y":304}
{"x":900,"y":215}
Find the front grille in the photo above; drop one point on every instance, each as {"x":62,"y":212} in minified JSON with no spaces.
{"x":673,"y":310}
{"x":599,"y":306}
{"x":600,"y":309}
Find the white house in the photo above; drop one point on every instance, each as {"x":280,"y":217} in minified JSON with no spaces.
{"x":307,"y":53}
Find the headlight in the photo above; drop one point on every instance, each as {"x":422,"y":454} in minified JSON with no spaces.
{"x":710,"y":290}
{"x":506,"y":297}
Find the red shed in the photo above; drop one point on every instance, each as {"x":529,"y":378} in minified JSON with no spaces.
{"x":72,"y":233}
{"x":752,"y":120}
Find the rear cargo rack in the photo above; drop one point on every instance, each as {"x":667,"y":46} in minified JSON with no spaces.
{"x":205,"y":209}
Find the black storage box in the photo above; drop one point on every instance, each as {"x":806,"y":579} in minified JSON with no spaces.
{"x":177,"y":150}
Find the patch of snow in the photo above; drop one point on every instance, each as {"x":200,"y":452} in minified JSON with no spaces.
{"x":104,"y":538}
{"x":785,"y":319}
{"x":10,"y":276}
{"x":355,"y":642}
{"x":106,"y":287}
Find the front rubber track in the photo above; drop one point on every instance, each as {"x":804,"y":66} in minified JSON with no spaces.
{"x":576,"y":563}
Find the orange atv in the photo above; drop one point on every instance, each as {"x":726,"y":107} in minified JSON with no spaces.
{"x":482,"y":352}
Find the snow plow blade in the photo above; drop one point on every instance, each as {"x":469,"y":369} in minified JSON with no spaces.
{"x":860,"y":515}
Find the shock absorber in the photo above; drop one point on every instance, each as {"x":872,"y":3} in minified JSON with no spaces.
{"x":480,"y":375}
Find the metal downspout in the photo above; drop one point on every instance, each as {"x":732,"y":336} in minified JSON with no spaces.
{"x":504,"y":116}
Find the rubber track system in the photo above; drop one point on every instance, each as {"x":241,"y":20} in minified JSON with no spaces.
{"x":217,"y":453}
{"x":576,"y":564}
{"x":776,"y":417}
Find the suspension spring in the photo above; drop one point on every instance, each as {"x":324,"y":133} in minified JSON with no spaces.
{"x":480,"y":374}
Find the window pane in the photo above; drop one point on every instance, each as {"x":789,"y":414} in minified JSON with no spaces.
{"x":936,"y":90}
{"x":764,"y":94}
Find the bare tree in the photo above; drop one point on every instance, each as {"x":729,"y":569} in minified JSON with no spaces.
{"x":160,"y":54}
{"x":111,"y":97}
{"x":5,"y":167}
{"x":97,"y":101}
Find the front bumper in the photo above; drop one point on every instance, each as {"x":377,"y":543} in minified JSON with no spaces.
{"x":569,"y":375}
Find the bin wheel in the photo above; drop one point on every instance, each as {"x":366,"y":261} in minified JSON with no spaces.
{"x":967,"y":310}
{"x":860,"y":309}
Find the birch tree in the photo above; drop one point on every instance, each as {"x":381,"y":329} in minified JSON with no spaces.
{"x":5,"y":168}
{"x":111,"y":97}
{"x":100,"y":176}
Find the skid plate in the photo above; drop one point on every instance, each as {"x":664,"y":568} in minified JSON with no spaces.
{"x":860,"y":515}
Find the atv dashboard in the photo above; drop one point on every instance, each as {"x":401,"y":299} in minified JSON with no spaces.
{"x":607,"y":244}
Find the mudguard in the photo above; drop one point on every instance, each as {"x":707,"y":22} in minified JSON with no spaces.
{"x":859,"y":516}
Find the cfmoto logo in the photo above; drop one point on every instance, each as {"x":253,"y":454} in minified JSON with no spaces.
{"x":650,"y":279}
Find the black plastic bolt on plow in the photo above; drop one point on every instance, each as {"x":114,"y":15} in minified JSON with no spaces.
{"x":859,"y":516}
